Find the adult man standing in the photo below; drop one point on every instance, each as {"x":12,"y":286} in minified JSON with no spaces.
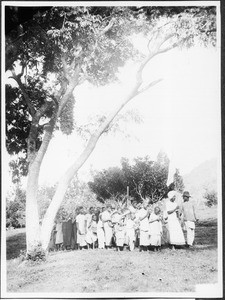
{"x":189,"y":216}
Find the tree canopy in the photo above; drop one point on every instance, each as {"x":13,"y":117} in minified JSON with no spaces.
{"x":145,"y":178}
{"x":178,"y":182}
{"x":65,"y":44}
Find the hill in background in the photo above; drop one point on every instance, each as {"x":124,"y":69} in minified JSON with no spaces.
{"x":201,"y":178}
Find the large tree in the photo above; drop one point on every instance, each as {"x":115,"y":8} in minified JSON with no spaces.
{"x":109,"y":183}
{"x":145,"y":178}
{"x":57,"y":51}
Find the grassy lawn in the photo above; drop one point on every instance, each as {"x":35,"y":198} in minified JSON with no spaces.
{"x":91,"y":271}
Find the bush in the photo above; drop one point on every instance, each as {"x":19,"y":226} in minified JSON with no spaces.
{"x":37,"y":254}
{"x":15,"y":208}
{"x":211,"y":198}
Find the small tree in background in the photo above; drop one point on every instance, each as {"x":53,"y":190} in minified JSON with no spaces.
{"x":178,"y":182}
{"x":15,"y":208}
{"x":78,"y":194}
{"x":211,"y":198}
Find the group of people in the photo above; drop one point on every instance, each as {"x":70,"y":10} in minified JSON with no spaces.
{"x":138,"y":225}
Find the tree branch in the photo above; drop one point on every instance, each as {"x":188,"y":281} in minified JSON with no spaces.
{"x":138,"y":190}
{"x":17,"y":78}
{"x":40,"y":112}
{"x":46,"y":140}
{"x":65,"y":69}
{"x":108,"y":27}
{"x":149,"y":85}
{"x":167,"y":48}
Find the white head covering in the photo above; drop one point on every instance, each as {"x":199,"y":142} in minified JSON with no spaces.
{"x":171,"y":194}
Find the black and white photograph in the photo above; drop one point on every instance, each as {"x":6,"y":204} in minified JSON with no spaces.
{"x":111,"y":149}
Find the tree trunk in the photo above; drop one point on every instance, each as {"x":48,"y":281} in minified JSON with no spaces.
{"x":33,"y":237}
{"x":33,"y":232}
{"x":32,"y":215}
{"x":54,"y":206}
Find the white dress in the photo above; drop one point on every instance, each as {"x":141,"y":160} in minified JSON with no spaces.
{"x":120,"y":234}
{"x":144,"y":228}
{"x":59,"y":234}
{"x":130,"y":233}
{"x":155,"y":230}
{"x":106,"y":219}
{"x":81,"y":220}
{"x":100,"y":235}
{"x":91,"y":235}
{"x":176,"y":236}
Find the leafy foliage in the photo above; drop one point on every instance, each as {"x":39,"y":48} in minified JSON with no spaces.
{"x":88,"y":37}
{"x":145,"y":178}
{"x":15,"y":208}
{"x":78,"y":194}
{"x":196,"y":24}
{"x":109,"y":183}
{"x":17,"y":121}
{"x":211,"y":198}
{"x":93,"y":39}
{"x":178,"y":182}
{"x":97,"y":39}
{"x":18,"y":168}
{"x":67,"y":122}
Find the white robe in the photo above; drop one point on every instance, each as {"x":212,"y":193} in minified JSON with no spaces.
{"x":106,"y":218}
{"x":176,"y":236}
{"x":144,"y":228}
{"x":100,"y":235}
{"x":81,"y":220}
{"x":155,"y":230}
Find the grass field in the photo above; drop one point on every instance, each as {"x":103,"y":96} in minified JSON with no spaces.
{"x":91,"y":271}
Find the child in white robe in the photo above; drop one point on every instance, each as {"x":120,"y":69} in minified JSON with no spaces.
{"x":120,"y":234}
{"x":142,"y":216}
{"x":130,"y":231}
{"x":100,"y":233}
{"x":155,"y":228}
{"x":81,"y":222}
{"x":91,"y":236}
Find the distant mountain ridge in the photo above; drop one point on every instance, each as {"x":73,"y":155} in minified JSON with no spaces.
{"x":202,"y":177}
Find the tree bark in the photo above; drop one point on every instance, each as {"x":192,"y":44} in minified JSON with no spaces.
{"x":32,"y":216}
{"x":33,"y":239}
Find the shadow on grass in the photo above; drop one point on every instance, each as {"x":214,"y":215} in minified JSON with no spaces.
{"x":15,"y":244}
{"x":205,"y":239}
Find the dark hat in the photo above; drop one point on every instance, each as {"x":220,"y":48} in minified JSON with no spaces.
{"x":186,"y":194}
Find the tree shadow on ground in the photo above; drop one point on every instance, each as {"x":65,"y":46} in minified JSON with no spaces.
{"x":205,"y":239}
{"x":15,"y":244}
